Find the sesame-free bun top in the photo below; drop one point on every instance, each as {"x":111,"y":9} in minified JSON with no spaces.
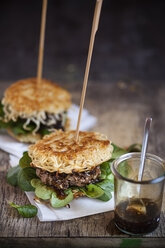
{"x":60,"y":152}
{"x":26,"y":98}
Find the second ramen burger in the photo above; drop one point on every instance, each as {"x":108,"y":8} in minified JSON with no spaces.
{"x":30,"y":110}
{"x":68,"y":169}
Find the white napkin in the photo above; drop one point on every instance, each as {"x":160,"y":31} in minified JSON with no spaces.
{"x":87,"y":120}
{"x":78,"y":207}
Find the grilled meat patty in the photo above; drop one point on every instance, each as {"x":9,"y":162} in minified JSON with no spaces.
{"x":64,"y":181}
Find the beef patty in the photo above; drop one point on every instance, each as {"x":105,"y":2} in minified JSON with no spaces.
{"x":64,"y":181}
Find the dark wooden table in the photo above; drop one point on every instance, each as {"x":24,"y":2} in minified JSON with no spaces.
{"x":121,"y":109}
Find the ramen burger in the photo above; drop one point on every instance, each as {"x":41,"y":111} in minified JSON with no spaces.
{"x":30,"y":110}
{"x":70,"y":169}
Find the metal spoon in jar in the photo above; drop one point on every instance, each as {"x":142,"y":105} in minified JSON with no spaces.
{"x":144,"y":147}
{"x":141,"y":206}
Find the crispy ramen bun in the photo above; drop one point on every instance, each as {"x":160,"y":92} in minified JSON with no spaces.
{"x":26,"y":98}
{"x":59,"y":152}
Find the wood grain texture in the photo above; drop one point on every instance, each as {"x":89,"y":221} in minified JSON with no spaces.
{"x":121,"y":110}
{"x":82,"y":242}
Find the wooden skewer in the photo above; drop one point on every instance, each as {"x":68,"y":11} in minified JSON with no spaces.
{"x":91,"y":44}
{"x":41,"y":43}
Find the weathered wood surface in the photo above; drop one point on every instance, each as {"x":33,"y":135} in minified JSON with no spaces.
{"x":121,"y":109}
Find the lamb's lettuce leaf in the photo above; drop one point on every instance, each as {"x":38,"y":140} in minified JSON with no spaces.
{"x":25,"y":160}
{"x":27,"y":211}
{"x":92,"y":191}
{"x":117,"y":151}
{"x":1,"y":110}
{"x":49,"y":193}
{"x":17,"y":126}
{"x":25,"y":176}
{"x":12,"y":175}
{"x":2,"y":123}
{"x":42,"y":191}
{"x":101,"y":190}
{"x":134,"y":148}
{"x":105,"y":170}
{"x":107,"y":186}
{"x":43,"y":131}
{"x":57,"y":202}
{"x":22,"y":174}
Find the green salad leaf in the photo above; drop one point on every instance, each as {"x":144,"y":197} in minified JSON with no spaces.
{"x":12,"y":175}
{"x":43,"y":131}
{"x":17,"y":126}
{"x":2,"y":123}
{"x":27,"y":211}
{"x":92,"y":191}
{"x":105,"y":170}
{"x":25,"y":176}
{"x":25,"y":160}
{"x":42,"y":191}
{"x":124,"y":168}
{"x":1,"y":110}
{"x":101,"y":190}
{"x":117,"y":151}
{"x":134,"y":148}
{"x":18,"y":177}
{"x":45,"y":192}
{"x":107,"y":186}
{"x":36,"y":182}
{"x":57,"y":202}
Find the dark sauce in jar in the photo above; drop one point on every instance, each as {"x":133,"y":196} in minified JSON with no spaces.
{"x":137,"y":216}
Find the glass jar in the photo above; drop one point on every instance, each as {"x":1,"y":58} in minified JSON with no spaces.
{"x":138,"y":203}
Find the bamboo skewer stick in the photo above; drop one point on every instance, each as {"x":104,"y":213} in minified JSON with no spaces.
{"x":41,"y":43}
{"x":91,"y":44}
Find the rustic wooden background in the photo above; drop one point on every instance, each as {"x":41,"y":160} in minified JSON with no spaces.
{"x":126,"y":84}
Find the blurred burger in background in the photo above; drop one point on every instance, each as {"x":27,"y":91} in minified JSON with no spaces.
{"x":29,"y":110}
